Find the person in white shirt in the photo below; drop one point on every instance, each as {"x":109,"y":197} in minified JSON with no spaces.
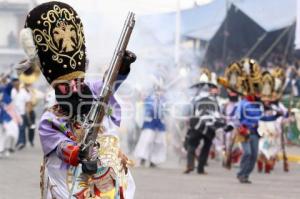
{"x":20,"y":98}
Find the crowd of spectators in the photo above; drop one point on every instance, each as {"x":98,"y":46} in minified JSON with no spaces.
{"x":16,"y":115}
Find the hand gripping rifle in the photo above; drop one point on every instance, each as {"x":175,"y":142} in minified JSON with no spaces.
{"x":93,"y":120}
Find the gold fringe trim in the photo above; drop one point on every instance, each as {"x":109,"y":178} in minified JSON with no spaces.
{"x":70,"y":76}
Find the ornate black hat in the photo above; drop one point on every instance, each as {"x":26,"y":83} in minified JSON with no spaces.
{"x":59,"y":40}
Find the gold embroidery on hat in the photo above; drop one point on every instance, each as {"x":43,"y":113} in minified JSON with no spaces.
{"x":65,"y":33}
{"x":61,"y":35}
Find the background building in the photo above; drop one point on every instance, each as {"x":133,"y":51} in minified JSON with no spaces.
{"x":12,"y":16}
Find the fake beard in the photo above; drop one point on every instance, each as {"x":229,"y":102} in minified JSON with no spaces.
{"x":233,"y":98}
{"x":76,"y":103}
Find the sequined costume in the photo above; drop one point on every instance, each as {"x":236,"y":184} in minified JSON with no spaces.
{"x":61,"y":172}
{"x":53,"y":39}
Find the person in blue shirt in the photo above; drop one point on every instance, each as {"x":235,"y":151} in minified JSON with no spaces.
{"x":152,"y":144}
{"x":9,"y":133}
{"x":6,"y":88}
{"x":249,"y":112}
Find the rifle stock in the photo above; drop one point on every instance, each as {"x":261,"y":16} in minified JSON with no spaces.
{"x":285,"y":159}
{"x":228,"y":157}
{"x":284,"y":154}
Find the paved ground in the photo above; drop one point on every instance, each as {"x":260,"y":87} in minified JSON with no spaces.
{"x":219,"y":184}
{"x":19,"y":175}
{"x":19,"y":178}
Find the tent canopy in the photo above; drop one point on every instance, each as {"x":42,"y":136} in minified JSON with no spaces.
{"x":237,"y":34}
{"x":271,"y":15}
{"x":203,"y":22}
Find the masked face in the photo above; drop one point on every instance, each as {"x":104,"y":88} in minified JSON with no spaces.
{"x":206,"y":90}
{"x":74,"y":97}
{"x":233,"y":97}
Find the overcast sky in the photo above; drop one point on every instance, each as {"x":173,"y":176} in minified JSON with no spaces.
{"x":103,"y":19}
{"x":113,"y":7}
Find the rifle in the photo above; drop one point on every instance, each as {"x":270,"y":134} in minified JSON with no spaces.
{"x":223,"y":82}
{"x":285,"y":159}
{"x":228,"y":157}
{"x":284,"y":154}
{"x":93,"y":120}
